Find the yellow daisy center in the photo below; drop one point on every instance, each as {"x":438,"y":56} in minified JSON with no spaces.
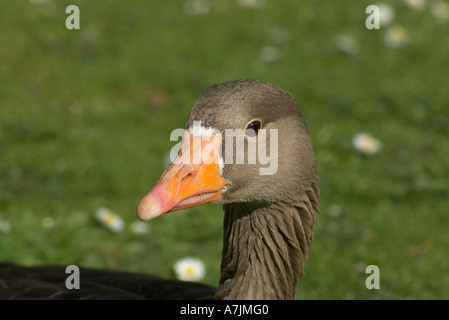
{"x":110,"y":218}
{"x":190,"y":270}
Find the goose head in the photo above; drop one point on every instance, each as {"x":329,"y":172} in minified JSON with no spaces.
{"x":245,"y":141}
{"x":246,"y":146}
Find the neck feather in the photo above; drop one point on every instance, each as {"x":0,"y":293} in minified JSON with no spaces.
{"x":265,"y":247}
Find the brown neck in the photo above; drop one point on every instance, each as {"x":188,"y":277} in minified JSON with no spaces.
{"x":264,"y":249}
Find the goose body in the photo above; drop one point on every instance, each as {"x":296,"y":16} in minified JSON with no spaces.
{"x":49,"y":283}
{"x":270,"y":209}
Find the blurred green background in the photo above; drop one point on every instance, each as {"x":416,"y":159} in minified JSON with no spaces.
{"x":85,"y":119}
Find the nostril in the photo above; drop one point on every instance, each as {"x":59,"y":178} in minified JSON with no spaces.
{"x":187,"y":176}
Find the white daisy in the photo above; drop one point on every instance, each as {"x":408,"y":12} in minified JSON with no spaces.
{"x":440,"y":10}
{"x":334,"y":210}
{"x":5,"y":226}
{"x":396,"y":36}
{"x":197,"y":7}
{"x":347,"y":44}
{"x":140,"y":227}
{"x":110,"y":219}
{"x":416,"y":4}
{"x":366,"y":144}
{"x":269,"y":54}
{"x":48,"y":222}
{"x":251,"y":4}
{"x":189,"y":269}
{"x":386,"y":14}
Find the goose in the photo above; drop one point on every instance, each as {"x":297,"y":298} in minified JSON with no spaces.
{"x":270,"y":207}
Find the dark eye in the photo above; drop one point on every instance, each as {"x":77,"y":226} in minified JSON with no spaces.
{"x":252,"y":128}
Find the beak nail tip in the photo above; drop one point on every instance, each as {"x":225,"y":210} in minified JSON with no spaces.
{"x":148,"y":208}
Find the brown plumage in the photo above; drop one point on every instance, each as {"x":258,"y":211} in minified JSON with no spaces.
{"x":269,"y":220}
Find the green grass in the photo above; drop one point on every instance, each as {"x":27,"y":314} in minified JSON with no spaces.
{"x":85,"y":118}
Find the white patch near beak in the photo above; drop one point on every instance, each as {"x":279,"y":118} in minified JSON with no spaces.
{"x":220,"y":165}
{"x":198,"y":129}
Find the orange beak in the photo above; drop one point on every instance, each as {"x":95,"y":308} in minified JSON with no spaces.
{"x":191,"y":180}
